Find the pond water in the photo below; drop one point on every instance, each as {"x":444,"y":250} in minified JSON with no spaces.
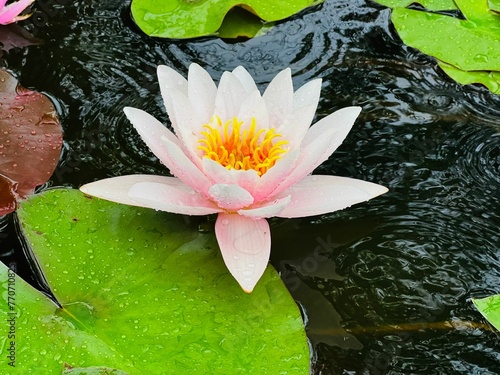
{"x":385,"y":286}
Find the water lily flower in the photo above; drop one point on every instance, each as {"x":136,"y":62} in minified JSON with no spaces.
{"x":241,"y":155}
{"x":11,"y":13}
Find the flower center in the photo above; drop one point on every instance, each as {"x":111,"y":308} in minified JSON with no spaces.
{"x":233,"y":148}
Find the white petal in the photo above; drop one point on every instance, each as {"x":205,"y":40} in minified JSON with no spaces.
{"x":170,"y":79}
{"x":245,"y":246}
{"x":245,"y":78}
{"x":279,"y":98}
{"x":171,"y":198}
{"x":254,"y":107}
{"x":230,"y":197}
{"x":305,"y":102}
{"x":230,"y":95}
{"x":316,"y":195}
{"x":201,"y":92}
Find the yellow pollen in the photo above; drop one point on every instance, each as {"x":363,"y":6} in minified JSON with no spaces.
{"x":252,"y":148}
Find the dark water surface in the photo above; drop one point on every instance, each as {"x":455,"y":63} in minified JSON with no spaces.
{"x":386,"y":285}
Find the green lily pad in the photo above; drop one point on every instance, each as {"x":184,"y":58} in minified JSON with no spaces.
{"x":467,"y":50}
{"x":489,"y":307}
{"x":428,"y":4}
{"x":68,"y":370}
{"x":143,"y":292}
{"x":461,"y":43}
{"x":494,"y":5}
{"x":488,"y":78}
{"x":239,"y":23}
{"x":180,"y":19}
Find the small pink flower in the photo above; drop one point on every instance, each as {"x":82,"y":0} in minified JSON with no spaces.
{"x":11,"y":13}
{"x":242,"y":155}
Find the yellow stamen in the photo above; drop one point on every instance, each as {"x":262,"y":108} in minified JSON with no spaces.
{"x":256,"y":149}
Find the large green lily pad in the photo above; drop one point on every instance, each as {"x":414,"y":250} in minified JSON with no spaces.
{"x":141,"y":292}
{"x":489,"y":307}
{"x":467,"y":50}
{"x":194,"y":18}
{"x":428,"y":4}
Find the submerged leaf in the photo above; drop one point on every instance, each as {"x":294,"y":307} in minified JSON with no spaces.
{"x":489,"y":307}
{"x":143,"y":292}
{"x":30,"y":140}
{"x":195,"y":18}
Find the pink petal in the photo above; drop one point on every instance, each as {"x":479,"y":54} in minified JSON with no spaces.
{"x":218,"y":174}
{"x":115,"y":189}
{"x":201,"y":91}
{"x":230,"y":197}
{"x":270,"y":180}
{"x":174,"y":198}
{"x":245,"y":78}
{"x":151,"y":130}
{"x":279,"y":97}
{"x":316,"y":195}
{"x":183,"y":168}
{"x":320,"y":141}
{"x":245,"y":246}
{"x":268,"y":209}
{"x":10,"y":13}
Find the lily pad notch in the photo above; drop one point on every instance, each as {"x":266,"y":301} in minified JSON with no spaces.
{"x":182,"y":19}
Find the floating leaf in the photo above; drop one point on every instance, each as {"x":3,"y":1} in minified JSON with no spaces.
{"x":428,"y":4}
{"x":240,"y":23}
{"x":30,"y":140}
{"x":195,"y":18}
{"x":68,"y":370}
{"x":14,"y":36}
{"x":489,"y":307}
{"x":490,"y":79}
{"x":494,"y":5}
{"x":467,"y":50}
{"x":144,"y":293}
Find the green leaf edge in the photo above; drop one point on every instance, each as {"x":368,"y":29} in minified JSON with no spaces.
{"x":37,"y":299}
{"x":489,"y":307}
{"x":147,"y":14}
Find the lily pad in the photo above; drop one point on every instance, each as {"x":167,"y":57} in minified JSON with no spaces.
{"x":467,"y":49}
{"x":30,"y":142}
{"x":488,"y":78}
{"x":194,"y":18}
{"x":143,"y":292}
{"x":489,"y":307}
{"x":494,"y":5}
{"x":68,"y":370}
{"x":14,"y":36}
{"x":428,"y":4}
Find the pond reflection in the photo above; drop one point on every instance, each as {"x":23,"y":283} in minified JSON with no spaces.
{"x":388,"y":291}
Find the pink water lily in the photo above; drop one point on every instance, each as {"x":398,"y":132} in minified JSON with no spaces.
{"x":11,"y":13}
{"x":242,"y":155}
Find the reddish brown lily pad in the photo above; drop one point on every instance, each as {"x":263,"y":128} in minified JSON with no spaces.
{"x":30,"y":141}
